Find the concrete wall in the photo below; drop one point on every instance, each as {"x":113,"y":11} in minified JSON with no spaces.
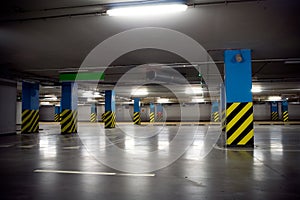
{"x":19,"y":113}
{"x":261,"y":112}
{"x":84,"y":113}
{"x":47,"y":113}
{"x":294,"y":111}
{"x":8,"y":98}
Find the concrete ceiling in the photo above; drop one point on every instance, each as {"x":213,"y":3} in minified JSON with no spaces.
{"x":39,"y":38}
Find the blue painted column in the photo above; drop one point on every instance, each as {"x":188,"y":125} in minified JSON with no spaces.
{"x":69,"y":100}
{"x":30,"y":108}
{"x":110,"y":109}
{"x":57,"y":114}
{"x":136,"y":111}
{"x":93,"y":117}
{"x":274,"y":111}
{"x":152,"y":113}
{"x":159,"y":112}
{"x":215,"y":111}
{"x":239,"y":106}
{"x":284,"y":110}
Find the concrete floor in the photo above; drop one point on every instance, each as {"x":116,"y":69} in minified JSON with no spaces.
{"x":204,"y":171}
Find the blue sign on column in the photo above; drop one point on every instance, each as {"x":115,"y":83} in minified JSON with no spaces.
{"x":239,"y":106}
{"x":152,"y":108}
{"x":109,"y":117}
{"x":30,"y":107}
{"x":136,"y":106}
{"x":69,"y":101}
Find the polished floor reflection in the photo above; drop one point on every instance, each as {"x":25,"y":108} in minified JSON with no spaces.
{"x":149,"y":162}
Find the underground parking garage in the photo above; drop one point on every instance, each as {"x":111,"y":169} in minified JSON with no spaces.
{"x":150,"y":99}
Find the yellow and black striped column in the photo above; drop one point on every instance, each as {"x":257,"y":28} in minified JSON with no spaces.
{"x":285,"y":116}
{"x":137,"y":118}
{"x":57,"y":114}
{"x":103,"y":117}
{"x":68,"y":121}
{"x":274,"y":116}
{"x":216,"y":116}
{"x":93,"y":117}
{"x":223,"y":121}
{"x":30,"y":121}
{"x":239,"y":124}
{"x":274,"y":111}
{"x":152,"y":117}
{"x":109,"y":119}
{"x":284,"y":111}
{"x":30,"y":107}
{"x":56,"y":117}
{"x":152,"y":113}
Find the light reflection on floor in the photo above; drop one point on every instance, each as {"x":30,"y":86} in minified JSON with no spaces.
{"x":269,"y":171}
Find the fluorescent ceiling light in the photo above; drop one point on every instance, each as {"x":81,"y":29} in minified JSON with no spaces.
{"x":140,"y":92}
{"x":198,"y":100}
{"x":292,"y":62}
{"x":45,"y":103}
{"x":256,"y":89}
{"x":91,"y":100}
{"x":274,"y":98}
{"x":163,"y":100}
{"x":147,"y":10}
{"x":194,"y":90}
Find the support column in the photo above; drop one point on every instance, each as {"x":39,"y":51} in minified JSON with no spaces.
{"x":284,"y":110}
{"x":152,"y":111}
{"x":110,"y":108}
{"x":159,"y":112}
{"x":69,"y":99}
{"x":57,"y":114}
{"x":93,"y":117}
{"x":136,"y":111}
{"x":215,"y":112}
{"x":274,"y":111}
{"x":239,"y":106}
{"x":30,"y":108}
{"x":223,"y":107}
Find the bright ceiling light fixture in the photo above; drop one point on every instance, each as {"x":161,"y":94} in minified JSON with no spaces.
{"x":256,"y":89}
{"x":147,"y":10}
{"x":274,"y":98}
{"x":194,"y":90}
{"x":140,"y":92}
{"x":198,"y":100}
{"x":163,"y":100}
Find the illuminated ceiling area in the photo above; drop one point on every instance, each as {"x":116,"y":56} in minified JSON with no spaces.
{"x":41,"y":40}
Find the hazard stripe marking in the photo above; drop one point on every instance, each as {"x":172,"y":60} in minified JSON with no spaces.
{"x":239,"y":124}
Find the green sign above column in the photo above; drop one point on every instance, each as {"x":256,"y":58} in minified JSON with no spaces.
{"x":82,"y":76}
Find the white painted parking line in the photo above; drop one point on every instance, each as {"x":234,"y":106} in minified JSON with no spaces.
{"x":91,"y":173}
{"x":6,"y":145}
{"x":141,"y":175}
{"x":72,"y":172}
{"x":27,"y":146}
{"x":70,"y":148}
